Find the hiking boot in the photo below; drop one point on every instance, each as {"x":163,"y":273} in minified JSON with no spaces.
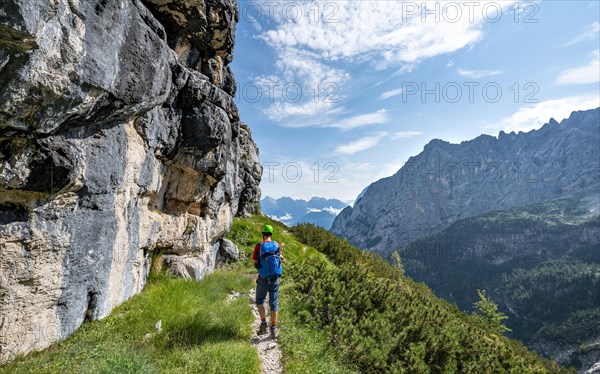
{"x":274,"y":331}
{"x":262,"y":329}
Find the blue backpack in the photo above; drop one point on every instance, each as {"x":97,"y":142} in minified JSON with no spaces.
{"x":269,"y":260}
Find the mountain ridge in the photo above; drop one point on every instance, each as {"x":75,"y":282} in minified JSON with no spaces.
{"x":448,"y":181}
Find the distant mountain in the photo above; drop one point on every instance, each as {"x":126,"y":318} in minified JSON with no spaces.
{"x":318,"y":211}
{"x":323,"y":218}
{"x":447,"y":182}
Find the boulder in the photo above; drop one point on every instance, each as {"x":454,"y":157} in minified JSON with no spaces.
{"x":228,"y":252}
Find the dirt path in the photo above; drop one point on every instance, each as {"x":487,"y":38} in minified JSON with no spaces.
{"x":267,"y":347}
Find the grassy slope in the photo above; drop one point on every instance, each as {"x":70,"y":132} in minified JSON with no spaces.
{"x":201,"y":333}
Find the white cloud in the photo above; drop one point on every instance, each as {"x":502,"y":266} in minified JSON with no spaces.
{"x":373,"y":118}
{"x":282,"y":110}
{"x":533,"y":117}
{"x":360,"y":145}
{"x":589,"y":73}
{"x":390,"y":93}
{"x":328,"y":119}
{"x":590,"y":33}
{"x":301,"y":64}
{"x":306,"y":88}
{"x":285,"y":217}
{"x":406,"y":134}
{"x":332,"y":210}
{"x":476,"y":74}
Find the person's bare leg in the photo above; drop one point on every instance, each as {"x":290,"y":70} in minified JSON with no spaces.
{"x":273,"y":317}
{"x":261,"y":312}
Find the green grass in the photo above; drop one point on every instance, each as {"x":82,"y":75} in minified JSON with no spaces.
{"x":201,"y":333}
{"x":245,"y":233}
{"x":564,"y":211}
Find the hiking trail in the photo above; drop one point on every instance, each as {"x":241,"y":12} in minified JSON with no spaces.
{"x":267,"y":347}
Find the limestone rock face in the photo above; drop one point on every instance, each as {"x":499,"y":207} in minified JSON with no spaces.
{"x":447,"y":182}
{"x":119,"y":137}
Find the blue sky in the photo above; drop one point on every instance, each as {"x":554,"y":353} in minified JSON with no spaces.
{"x":344,"y":92}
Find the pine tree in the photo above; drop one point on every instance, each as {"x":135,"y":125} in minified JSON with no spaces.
{"x":397,"y":261}
{"x":488,"y":310}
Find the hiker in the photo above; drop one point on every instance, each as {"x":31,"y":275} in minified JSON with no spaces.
{"x":267,"y":259}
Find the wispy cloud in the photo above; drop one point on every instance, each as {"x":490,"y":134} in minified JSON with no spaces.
{"x":360,"y":145}
{"x":374,"y":31}
{"x":591,"y":32}
{"x":330,"y":119}
{"x":476,"y":74}
{"x":391,"y":93}
{"x":375,"y":118}
{"x":282,"y":110}
{"x":589,"y":73}
{"x":298,"y":63}
{"x":330,"y":210}
{"x":406,"y":134}
{"x":533,"y":117}
{"x":306,"y":87}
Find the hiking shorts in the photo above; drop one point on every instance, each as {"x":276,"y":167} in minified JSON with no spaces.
{"x":272,"y":287}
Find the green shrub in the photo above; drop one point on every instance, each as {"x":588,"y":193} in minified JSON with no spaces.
{"x":380,"y":321}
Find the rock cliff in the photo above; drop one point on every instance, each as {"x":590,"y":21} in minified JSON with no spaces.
{"x":447,"y":182}
{"x":119,"y":139}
